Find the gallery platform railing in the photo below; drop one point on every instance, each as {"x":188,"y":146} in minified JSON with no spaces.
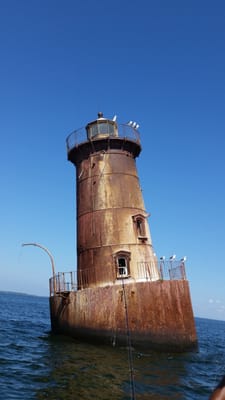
{"x":65,"y":282}
{"x":79,"y":136}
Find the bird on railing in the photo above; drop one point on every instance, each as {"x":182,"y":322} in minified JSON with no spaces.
{"x":133,"y":124}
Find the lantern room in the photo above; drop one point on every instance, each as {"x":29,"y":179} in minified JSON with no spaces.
{"x":102,"y":128}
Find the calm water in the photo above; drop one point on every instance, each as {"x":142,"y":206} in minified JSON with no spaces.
{"x":37,"y":365}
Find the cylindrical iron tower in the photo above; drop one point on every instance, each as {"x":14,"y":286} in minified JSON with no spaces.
{"x":113,"y":236}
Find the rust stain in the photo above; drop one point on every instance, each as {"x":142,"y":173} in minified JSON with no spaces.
{"x":117,"y":266}
{"x":160,"y":314}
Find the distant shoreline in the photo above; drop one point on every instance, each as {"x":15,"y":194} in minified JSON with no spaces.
{"x":21,"y":293}
{"x":46,"y":297}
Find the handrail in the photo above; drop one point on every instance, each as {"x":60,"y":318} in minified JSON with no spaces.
{"x":67,"y":281}
{"x":62,"y":282}
{"x":80,"y":136}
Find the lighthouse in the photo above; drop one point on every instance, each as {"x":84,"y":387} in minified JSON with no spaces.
{"x":116,"y":263}
{"x":113,"y":236}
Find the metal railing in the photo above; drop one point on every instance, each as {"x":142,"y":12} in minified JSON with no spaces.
{"x":65,"y":282}
{"x":148,"y":271}
{"x":80,"y":136}
{"x":172,"y":270}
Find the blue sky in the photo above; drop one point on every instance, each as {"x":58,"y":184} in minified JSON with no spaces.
{"x":160,"y":63}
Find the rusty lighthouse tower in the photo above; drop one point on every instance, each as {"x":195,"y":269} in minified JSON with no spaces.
{"x":115,"y":256}
{"x":113,"y":238}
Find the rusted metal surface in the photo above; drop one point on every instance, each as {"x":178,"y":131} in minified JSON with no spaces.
{"x":108,"y":198}
{"x":160,"y":315}
{"x":109,"y":204}
{"x":115,"y":256}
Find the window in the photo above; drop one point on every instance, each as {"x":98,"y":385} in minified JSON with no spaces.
{"x":106,"y":128}
{"x":140,"y":226}
{"x":139,"y":221}
{"x":122,"y":266}
{"x":122,"y":263}
{"x":93,"y":130}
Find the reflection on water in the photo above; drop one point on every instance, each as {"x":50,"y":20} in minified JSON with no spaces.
{"x":82,"y":371}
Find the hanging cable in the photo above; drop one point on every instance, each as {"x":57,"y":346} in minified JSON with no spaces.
{"x":130,"y":357}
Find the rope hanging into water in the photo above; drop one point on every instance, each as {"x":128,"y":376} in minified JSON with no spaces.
{"x":130,"y":357}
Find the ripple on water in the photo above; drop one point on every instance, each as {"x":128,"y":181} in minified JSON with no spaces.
{"x":37,"y":365}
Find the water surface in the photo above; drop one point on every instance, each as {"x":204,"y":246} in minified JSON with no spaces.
{"x":34,"y":364}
